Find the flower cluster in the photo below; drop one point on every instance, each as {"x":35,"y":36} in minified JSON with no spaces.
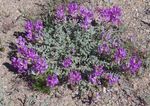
{"x":67,"y":62}
{"x":20,"y":64}
{"x":28,"y":59}
{"x":98,"y":71}
{"x":60,"y":13}
{"x":80,"y":13}
{"x":40,"y":65}
{"x":134,"y":64}
{"x":73,"y":9}
{"x":74,"y":77}
{"x":120,"y":54}
{"x":31,"y":54}
{"x":111,"y":15}
{"x":21,"y":41}
{"x":87,"y":16}
{"x":112,"y":79}
{"x":52,"y":80}
{"x":33,"y":30}
{"x":28,"y":53}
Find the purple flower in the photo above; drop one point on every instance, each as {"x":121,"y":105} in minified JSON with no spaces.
{"x":40,"y":65}
{"x":87,"y":16}
{"x":30,"y":35}
{"x":20,"y":64}
{"x":73,"y":9}
{"x":85,"y":24}
{"x":33,"y":30}
{"x":28,"y":53}
{"x":134,"y":64}
{"x":105,"y":14}
{"x":98,"y":71}
{"x":67,"y":62}
{"x":29,"y":25}
{"x":31,"y":54}
{"x":93,"y":79}
{"x":38,"y":25}
{"x":120,"y":54}
{"x":103,"y":49}
{"x":60,"y":13}
{"x":21,"y":42}
{"x":111,"y":15}
{"x":74,"y":77}
{"x":112,"y":79}
{"x":52,"y":80}
{"x":116,"y":14}
{"x":84,"y":12}
{"x":23,"y":50}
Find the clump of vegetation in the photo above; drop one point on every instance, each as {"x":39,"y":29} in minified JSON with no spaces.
{"x":75,"y":46}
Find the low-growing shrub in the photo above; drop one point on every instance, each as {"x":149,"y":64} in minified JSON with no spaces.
{"x":76,"y":46}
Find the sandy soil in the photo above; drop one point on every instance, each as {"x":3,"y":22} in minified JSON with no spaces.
{"x":15,"y":92}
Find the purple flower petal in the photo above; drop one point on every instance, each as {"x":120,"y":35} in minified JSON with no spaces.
{"x":60,"y":13}
{"x":120,"y":54}
{"x":67,"y":62}
{"x":134,"y":64}
{"x":74,"y":77}
{"x":52,"y":80}
{"x":111,"y":15}
{"x":112,"y":79}
{"x":40,"y":65}
{"x":20,"y":64}
{"x":73,"y":9}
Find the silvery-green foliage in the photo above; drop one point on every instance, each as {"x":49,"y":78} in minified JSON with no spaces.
{"x":68,"y":39}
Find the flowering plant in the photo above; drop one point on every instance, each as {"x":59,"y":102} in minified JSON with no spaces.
{"x":74,"y":47}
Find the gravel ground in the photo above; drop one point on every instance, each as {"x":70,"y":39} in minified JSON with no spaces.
{"x":129,"y":92}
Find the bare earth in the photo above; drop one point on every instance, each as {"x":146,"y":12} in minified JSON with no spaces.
{"x":15,"y":92}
